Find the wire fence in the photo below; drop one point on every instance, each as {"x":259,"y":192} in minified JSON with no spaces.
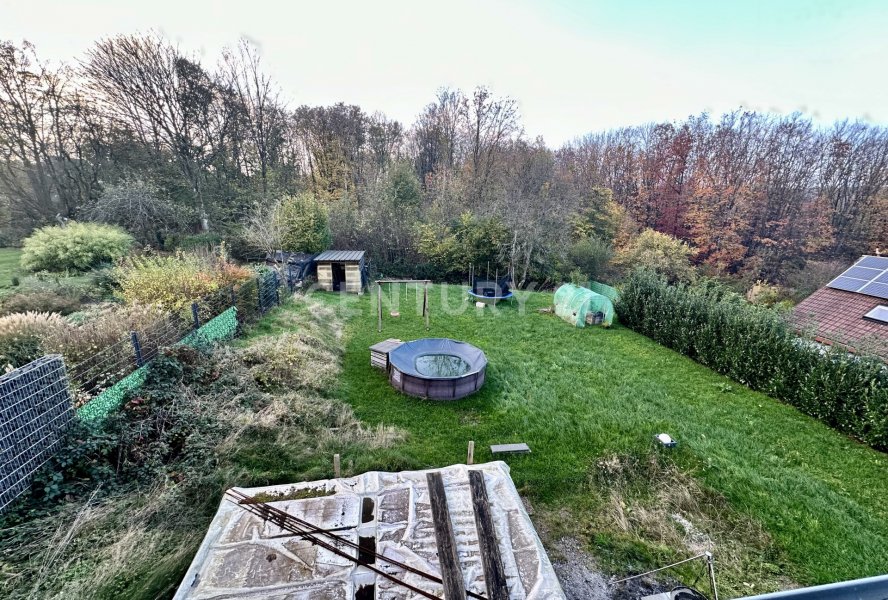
{"x":35,"y":411}
{"x":39,"y":400}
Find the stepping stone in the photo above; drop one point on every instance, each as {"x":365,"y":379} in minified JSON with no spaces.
{"x":510,"y":448}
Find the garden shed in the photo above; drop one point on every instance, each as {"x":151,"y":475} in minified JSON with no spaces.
{"x":342,"y":271}
{"x":581,"y":306}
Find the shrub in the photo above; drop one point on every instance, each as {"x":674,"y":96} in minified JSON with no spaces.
{"x":756,"y":347}
{"x":173,"y":282}
{"x":306,"y":227}
{"x":199,"y":241}
{"x":97,"y":332}
{"x":660,"y":252}
{"x":140,"y":206}
{"x":54,"y":292}
{"x":471,"y":240}
{"x":22,"y":335}
{"x":590,"y":256}
{"x":27,"y":336}
{"x":75,"y":247}
{"x":46,"y":301}
{"x":765,"y":294}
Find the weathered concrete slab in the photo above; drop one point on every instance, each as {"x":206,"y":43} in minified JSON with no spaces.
{"x":521,"y":448}
{"x":243,"y":557}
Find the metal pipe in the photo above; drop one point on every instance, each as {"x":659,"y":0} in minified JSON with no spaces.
{"x":869,"y":588}
{"x":710,"y":566}
{"x":137,"y":348}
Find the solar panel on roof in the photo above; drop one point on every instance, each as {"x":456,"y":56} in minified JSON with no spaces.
{"x":846,"y":283}
{"x":869,"y":276}
{"x":865,"y":273}
{"x":879,"y":290}
{"x":875,"y":262}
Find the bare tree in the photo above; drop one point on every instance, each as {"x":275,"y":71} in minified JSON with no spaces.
{"x":165,"y":99}
{"x":138,"y":205}
{"x":47,"y":152}
{"x":438,"y":134}
{"x":260,"y":99}
{"x":492,"y":123}
{"x":264,"y":227}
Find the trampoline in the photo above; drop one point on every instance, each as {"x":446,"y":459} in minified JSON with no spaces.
{"x":490,"y":292}
{"x":437,"y":368}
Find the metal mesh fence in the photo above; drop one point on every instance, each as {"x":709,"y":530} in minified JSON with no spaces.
{"x":35,"y":411}
{"x":38,"y":400}
{"x":101,"y":382}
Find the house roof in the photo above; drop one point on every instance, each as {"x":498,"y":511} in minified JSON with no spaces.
{"x":244,"y":556}
{"x":836,"y":317}
{"x":868,"y":276}
{"x":340,"y":256}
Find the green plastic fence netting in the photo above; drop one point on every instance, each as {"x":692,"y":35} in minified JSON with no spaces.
{"x":221,"y":327}
{"x":604,"y":290}
{"x":575,"y":304}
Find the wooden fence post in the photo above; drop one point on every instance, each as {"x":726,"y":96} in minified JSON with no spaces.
{"x":379,"y":303}
{"x":425,"y":302}
{"x":336,"y":471}
{"x":470,"y":459}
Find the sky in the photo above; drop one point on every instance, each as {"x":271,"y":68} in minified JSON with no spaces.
{"x":574,"y":66}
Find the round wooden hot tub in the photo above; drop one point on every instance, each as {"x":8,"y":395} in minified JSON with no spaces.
{"x":437,"y":368}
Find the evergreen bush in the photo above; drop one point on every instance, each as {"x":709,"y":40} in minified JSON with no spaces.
{"x":306,"y":225}
{"x":757,"y":347}
{"x":76,"y":247}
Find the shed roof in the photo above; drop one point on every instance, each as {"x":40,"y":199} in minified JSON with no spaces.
{"x":243,"y":556}
{"x":836,"y":317}
{"x":340,"y":256}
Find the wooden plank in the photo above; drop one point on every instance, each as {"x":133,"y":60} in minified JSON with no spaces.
{"x":451,"y":575}
{"x":403,"y":281}
{"x":510,"y":448}
{"x":386,"y":346}
{"x":492,"y":561}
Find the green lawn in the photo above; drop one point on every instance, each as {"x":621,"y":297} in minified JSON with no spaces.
{"x":798,"y":500}
{"x":9,"y":265}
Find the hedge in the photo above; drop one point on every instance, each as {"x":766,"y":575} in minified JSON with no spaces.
{"x":757,"y":347}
